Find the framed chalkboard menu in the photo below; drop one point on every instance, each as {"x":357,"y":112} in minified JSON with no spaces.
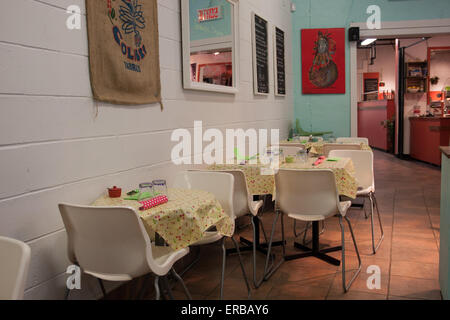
{"x":280,"y":71}
{"x":370,"y":89}
{"x":260,"y":55}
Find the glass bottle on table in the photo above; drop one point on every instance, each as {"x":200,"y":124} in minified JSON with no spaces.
{"x":302,"y":156}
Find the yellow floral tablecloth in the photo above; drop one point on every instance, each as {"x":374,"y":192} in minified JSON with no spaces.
{"x":317,"y":147}
{"x":183,"y":220}
{"x":258,"y":184}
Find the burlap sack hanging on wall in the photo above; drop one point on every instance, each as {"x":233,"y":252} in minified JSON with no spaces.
{"x":124,"y":50}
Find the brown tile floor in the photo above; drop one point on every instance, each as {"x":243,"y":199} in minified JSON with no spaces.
{"x":408,"y":195}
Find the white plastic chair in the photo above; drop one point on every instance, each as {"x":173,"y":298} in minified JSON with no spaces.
{"x":363,"y":163}
{"x":243,"y":204}
{"x":111,"y":243}
{"x":352,"y":140}
{"x":222,"y":186}
{"x":14,"y":264}
{"x":312,"y":195}
{"x":327,"y":147}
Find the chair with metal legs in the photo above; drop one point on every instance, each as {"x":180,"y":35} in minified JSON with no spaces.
{"x":222,"y":185}
{"x":244,"y":205}
{"x":363,"y":163}
{"x":112,"y":244}
{"x":311,"y":195}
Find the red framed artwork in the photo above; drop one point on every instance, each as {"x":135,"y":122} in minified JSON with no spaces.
{"x":323,"y":61}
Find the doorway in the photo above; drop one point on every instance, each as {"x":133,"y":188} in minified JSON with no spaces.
{"x":391,"y":30}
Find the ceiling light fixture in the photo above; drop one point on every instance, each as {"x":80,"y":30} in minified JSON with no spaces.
{"x":366,"y":42}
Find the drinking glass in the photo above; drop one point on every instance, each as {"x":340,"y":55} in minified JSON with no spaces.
{"x":302,"y":156}
{"x":160,"y":188}
{"x":146,"y":187}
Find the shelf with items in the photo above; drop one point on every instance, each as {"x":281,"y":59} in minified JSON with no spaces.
{"x":416,"y":78}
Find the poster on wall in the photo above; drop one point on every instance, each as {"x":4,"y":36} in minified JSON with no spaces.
{"x":260,"y":55}
{"x":280,"y":62}
{"x":124,"y":51}
{"x":323,"y":61}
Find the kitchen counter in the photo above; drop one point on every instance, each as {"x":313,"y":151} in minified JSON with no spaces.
{"x":427,"y":135}
{"x":446,"y":151}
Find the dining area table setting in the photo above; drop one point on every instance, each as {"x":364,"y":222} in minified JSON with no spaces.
{"x":181,"y":220}
{"x":203,"y":203}
{"x":261,"y":183}
{"x":316,"y":145}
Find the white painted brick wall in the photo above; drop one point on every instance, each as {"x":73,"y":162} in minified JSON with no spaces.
{"x":58,"y":145}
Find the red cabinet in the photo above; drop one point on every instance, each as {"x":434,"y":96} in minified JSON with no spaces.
{"x":427,"y":135}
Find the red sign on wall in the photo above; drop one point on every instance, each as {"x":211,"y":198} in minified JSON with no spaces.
{"x":209,"y":14}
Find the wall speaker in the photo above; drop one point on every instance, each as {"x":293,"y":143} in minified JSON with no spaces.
{"x":353,"y":34}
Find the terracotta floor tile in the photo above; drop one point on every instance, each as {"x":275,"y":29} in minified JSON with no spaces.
{"x":297,"y":291}
{"x":356,"y":295}
{"x":414,"y":288}
{"x":415,"y":255}
{"x":415,"y":270}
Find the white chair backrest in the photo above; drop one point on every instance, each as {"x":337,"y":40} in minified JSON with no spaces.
{"x":327,"y":147}
{"x":241,"y":196}
{"x":290,"y":150}
{"x":363,"y":163}
{"x":218,"y":183}
{"x":307,"y":192}
{"x":14,"y":263}
{"x":352,"y":140}
{"x":107,"y":241}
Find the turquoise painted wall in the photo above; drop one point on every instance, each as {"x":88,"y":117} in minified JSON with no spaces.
{"x":209,"y":29}
{"x":332,"y":112}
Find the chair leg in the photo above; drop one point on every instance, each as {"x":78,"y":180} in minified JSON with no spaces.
{"x":344,"y":284}
{"x":193,"y":263}
{"x":66,"y":296}
{"x":167,"y":287}
{"x":374,"y":203}
{"x":102,"y":287}
{"x":143,"y":291}
{"x":224,"y":261}
{"x":157,"y":290}
{"x":266,"y":239}
{"x":267,"y":274}
{"x":186,"y":291}
{"x":236,"y":245}
{"x":255,"y":282}
{"x":366,"y":215}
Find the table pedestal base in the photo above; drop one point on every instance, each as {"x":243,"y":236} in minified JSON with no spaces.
{"x":260,"y":247}
{"x":315,"y":251}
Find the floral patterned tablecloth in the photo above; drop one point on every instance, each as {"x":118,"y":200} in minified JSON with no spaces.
{"x":259,"y":184}
{"x":317,"y":147}
{"x":183,"y":220}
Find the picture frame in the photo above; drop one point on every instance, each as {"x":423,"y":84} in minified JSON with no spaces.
{"x":323,"y":61}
